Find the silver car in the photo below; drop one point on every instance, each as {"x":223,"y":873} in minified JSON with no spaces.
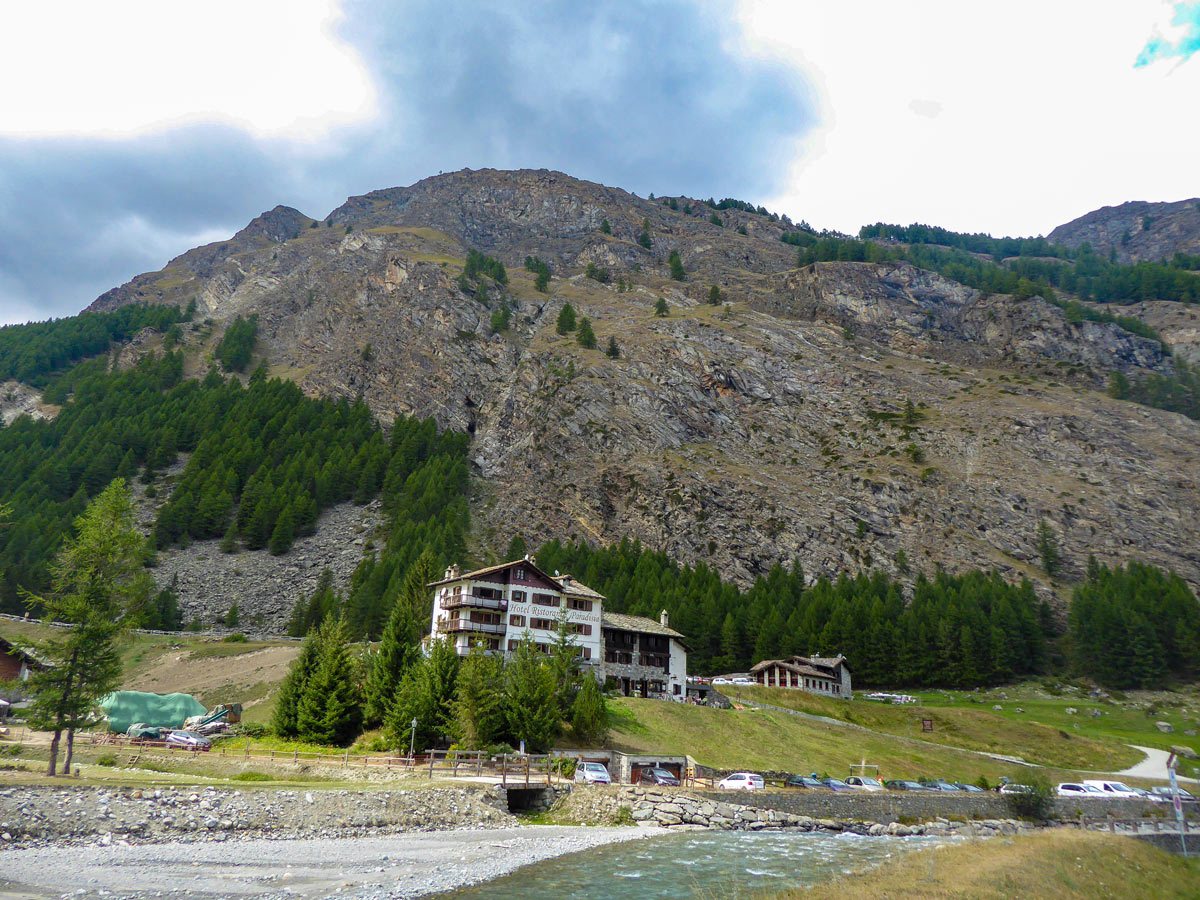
{"x":592,"y":773}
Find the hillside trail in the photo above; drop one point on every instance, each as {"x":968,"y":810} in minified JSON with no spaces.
{"x":1153,"y":766}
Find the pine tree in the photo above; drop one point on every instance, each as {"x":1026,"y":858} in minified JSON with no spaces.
{"x":612,"y":351}
{"x":564,"y":664}
{"x":566,"y":319}
{"x":231,"y":617}
{"x":714,"y":295}
{"x":100,"y":586}
{"x":284,"y":719}
{"x":426,"y":693}
{"x":516,"y":548}
{"x":399,"y":646}
{"x":589,"y":715}
{"x":676,"y":266}
{"x":531,"y":708}
{"x":478,"y":702}
{"x":330,"y":708}
{"x":283,"y":534}
{"x":586,"y":337}
{"x":605,"y":227}
{"x":660,"y":308}
{"x":1047,"y":548}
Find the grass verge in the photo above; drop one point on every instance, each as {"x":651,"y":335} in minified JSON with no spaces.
{"x":1051,"y":865}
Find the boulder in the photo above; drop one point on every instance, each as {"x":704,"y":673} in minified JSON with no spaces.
{"x":1185,"y":752}
{"x":1165,"y":727}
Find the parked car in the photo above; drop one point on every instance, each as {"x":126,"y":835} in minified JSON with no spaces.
{"x":743,"y":681}
{"x":863,"y":783}
{"x":898,"y":785}
{"x":803,"y":781}
{"x":592,"y":773}
{"x":1073,"y":789}
{"x":1164,"y":791}
{"x":941,"y":784}
{"x":1112,"y":788}
{"x":186,"y":740}
{"x":1014,"y":788}
{"x":1147,"y":795}
{"x":721,"y":681}
{"x":969,"y":788}
{"x":742,"y":781}
{"x":655,"y":775}
{"x":836,"y":784}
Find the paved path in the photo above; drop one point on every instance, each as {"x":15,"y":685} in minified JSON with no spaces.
{"x":1153,"y":766}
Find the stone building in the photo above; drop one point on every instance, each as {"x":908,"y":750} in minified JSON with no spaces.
{"x":503,"y":605}
{"x":816,"y":674}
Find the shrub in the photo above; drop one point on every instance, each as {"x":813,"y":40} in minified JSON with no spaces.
{"x":1035,"y":804}
{"x":251,"y":776}
{"x":107,"y":760}
{"x":236,"y":638}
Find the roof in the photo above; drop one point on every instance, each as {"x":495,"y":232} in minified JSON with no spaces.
{"x":488,"y":570}
{"x":577,"y":588}
{"x":7,"y":646}
{"x":638,"y":623}
{"x":805,"y":664}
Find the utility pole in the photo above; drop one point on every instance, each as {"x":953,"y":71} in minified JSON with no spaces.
{"x":412,"y":740}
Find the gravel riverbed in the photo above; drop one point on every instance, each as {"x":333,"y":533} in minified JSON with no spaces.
{"x":394,"y":867}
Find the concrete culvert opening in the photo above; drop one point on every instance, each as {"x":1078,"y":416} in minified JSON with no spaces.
{"x":529,"y":799}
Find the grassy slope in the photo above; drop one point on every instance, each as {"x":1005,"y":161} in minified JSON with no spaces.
{"x":1053,"y":865}
{"x":775,"y":741}
{"x":972,"y":728}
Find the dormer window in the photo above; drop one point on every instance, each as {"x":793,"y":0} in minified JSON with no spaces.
{"x":519,"y":574}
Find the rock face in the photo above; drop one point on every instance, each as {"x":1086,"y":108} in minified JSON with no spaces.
{"x":762,"y":430}
{"x":1136,"y":230}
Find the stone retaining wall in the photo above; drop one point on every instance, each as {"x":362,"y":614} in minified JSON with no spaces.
{"x":893,"y":806}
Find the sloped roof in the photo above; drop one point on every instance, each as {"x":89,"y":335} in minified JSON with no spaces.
{"x":577,"y":588}
{"x":805,"y":665}
{"x":638,"y":623}
{"x":488,"y":570}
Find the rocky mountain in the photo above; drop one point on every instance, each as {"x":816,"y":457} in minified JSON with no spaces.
{"x":766,"y":427}
{"x":1136,"y":230}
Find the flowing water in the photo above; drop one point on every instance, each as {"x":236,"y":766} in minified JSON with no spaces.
{"x":682,"y":866}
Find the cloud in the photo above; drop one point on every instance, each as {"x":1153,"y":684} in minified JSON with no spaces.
{"x":656,"y":96}
{"x":1183,"y":41}
{"x":929,"y":109}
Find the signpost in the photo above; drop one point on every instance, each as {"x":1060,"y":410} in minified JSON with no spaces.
{"x":1177,"y":803}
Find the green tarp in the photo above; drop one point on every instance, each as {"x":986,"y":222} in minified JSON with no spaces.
{"x":156,"y":710}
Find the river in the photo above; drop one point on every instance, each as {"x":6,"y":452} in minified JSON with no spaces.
{"x":694,"y":864}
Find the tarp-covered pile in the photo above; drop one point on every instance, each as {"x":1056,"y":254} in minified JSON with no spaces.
{"x":124,"y":708}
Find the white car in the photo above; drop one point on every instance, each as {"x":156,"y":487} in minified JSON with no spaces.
{"x":1073,"y":789}
{"x":592,"y":773}
{"x":721,"y":681}
{"x":743,"y":681}
{"x":742,"y":781}
{"x":1113,"y":789}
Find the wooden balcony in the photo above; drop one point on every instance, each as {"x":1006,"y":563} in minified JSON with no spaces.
{"x":470,"y":601}
{"x":459,"y":626}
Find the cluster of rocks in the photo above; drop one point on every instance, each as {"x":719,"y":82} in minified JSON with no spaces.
{"x":673,"y":809}
{"x":33,"y":815}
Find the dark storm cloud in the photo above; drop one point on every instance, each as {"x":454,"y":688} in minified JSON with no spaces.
{"x":646,"y":96}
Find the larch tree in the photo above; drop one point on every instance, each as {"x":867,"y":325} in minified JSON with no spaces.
{"x":399,"y":645}
{"x":99,"y":585}
{"x":479,"y":699}
{"x":531,"y":707}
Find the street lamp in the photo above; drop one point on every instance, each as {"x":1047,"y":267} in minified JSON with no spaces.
{"x":412,"y":738}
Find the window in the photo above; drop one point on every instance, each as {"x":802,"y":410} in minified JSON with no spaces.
{"x":675,"y":689}
{"x":516,"y":621}
{"x":584,"y":653}
{"x":512,"y":645}
{"x":543,"y":624}
{"x":518,"y":596}
{"x":581,"y":629}
{"x":579,"y":604}
{"x":545,"y":600}
{"x":519,"y":573}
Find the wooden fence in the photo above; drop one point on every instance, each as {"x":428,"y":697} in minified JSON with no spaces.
{"x":512,"y":769}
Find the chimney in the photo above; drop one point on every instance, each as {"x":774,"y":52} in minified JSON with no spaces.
{"x":663,"y":619}
{"x":453,"y":571}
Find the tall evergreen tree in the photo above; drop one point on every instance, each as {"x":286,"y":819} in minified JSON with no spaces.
{"x":676,"y":266}
{"x":330,"y":709}
{"x":100,"y":586}
{"x":589,"y":716}
{"x":566,"y":319}
{"x":479,"y":700}
{"x":399,"y":646}
{"x":531,"y":709}
{"x":586,"y":337}
{"x":426,"y":693}
{"x":292,"y":689}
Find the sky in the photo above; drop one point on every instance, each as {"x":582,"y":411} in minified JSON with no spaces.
{"x":147,"y":128}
